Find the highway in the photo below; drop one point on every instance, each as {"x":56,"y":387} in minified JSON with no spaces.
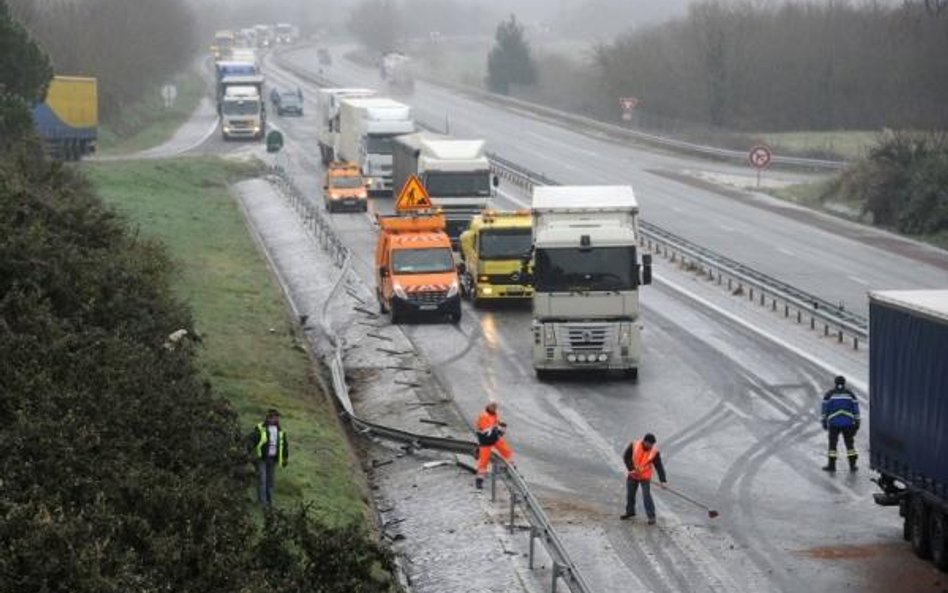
{"x":836,"y":260}
{"x":735,"y":413}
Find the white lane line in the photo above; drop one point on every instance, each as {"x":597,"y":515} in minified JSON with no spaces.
{"x":859,"y":280}
{"x":737,"y":411}
{"x":785,"y":251}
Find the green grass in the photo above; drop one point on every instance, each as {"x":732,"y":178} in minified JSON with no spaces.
{"x":847,"y":145}
{"x":148,"y":123}
{"x":250,"y":352}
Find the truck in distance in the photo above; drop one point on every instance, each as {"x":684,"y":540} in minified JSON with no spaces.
{"x":68,"y":120}
{"x":344,"y":188}
{"x":223,"y":45}
{"x":327,"y":107}
{"x":455,"y":173}
{"x":366,"y":130}
{"x":415,"y":272}
{"x":586,"y":279}
{"x":908,"y":396}
{"x":493,"y":249}
{"x":397,"y":70}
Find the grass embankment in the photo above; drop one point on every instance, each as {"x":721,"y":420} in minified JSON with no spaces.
{"x":841,"y":144}
{"x":250,"y":351}
{"x":148,"y":123}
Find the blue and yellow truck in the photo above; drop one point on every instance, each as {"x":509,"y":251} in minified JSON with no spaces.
{"x":68,"y":120}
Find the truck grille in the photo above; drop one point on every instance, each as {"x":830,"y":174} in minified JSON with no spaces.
{"x":510,"y":278}
{"x":586,"y":337}
{"x":432,"y":297}
{"x":241,"y":123}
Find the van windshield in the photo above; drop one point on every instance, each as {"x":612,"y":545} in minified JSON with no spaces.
{"x":458,"y":184}
{"x":379,"y":143}
{"x":422,"y":261}
{"x":346,"y":182}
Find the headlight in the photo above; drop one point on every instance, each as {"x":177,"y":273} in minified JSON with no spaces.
{"x":549,"y":335}
{"x":483,"y":278}
{"x":487,"y":290}
{"x":571,"y":357}
{"x":625,"y":334}
{"x":256,"y":129}
{"x":453,"y":290}
{"x":362,"y":195}
{"x":227,"y":129}
{"x":603,"y":357}
{"x":400,"y":292}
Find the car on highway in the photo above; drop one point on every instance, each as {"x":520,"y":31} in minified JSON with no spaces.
{"x":344,"y":188}
{"x":287,"y":101}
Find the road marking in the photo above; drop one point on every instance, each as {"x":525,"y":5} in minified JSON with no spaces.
{"x":858,"y":280}
{"x":785,"y":251}
{"x":737,"y":411}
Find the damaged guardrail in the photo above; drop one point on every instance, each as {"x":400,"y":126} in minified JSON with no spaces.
{"x":820,"y":314}
{"x":518,"y":490}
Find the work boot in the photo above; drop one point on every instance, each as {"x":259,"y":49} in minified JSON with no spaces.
{"x":651,"y":520}
{"x":627,"y":516}
{"x":479,"y":483}
{"x":830,"y":466}
{"x":852,"y":464}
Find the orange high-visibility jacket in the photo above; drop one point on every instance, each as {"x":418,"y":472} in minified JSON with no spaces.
{"x":642,"y":461}
{"x":488,"y":429}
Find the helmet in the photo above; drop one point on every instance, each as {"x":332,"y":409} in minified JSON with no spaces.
{"x":840,"y":381}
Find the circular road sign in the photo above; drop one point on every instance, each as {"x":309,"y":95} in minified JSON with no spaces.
{"x":760,"y":156}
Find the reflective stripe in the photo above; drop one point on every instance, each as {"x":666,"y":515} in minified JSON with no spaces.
{"x":832,"y":453}
{"x":841,"y":413}
{"x":851,"y":453}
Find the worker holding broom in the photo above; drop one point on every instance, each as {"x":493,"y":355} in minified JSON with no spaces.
{"x":641,"y":458}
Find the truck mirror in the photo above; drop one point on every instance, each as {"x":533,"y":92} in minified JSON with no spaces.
{"x":646,"y":268}
{"x":496,"y":181}
{"x":383,"y":271}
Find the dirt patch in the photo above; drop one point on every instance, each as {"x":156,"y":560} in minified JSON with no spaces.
{"x":850,"y":552}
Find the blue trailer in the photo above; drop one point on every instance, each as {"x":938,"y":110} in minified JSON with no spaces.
{"x":908,"y":394}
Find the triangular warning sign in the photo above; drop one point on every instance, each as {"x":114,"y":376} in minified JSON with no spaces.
{"x":413,"y":196}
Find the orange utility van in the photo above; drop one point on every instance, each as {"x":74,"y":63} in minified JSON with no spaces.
{"x":344,"y":188}
{"x":415,"y":269}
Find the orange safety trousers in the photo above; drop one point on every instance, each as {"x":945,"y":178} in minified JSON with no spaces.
{"x":483,"y":457}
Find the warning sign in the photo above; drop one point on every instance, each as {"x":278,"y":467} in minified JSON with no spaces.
{"x":413,"y":196}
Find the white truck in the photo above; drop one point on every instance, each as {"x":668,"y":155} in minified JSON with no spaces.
{"x":327,"y":108}
{"x":455,"y":172}
{"x":398,"y":71}
{"x":586,"y":278}
{"x":242,"y":112}
{"x":366,"y":129}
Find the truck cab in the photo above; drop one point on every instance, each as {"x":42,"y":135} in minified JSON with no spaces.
{"x":415,"y":270}
{"x":242,"y":113}
{"x":493,"y":249}
{"x":344,"y":188}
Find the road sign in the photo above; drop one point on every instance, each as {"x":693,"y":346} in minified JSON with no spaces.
{"x":169,"y":93}
{"x":760,"y":156}
{"x":628,"y":103}
{"x":413,"y":196}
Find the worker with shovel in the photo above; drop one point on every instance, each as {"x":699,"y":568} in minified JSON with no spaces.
{"x":641,"y":458}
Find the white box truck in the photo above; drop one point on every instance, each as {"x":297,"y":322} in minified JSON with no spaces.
{"x":366,"y":130}
{"x":455,"y":172}
{"x":242,"y":112}
{"x":586,"y":278}
{"x":327,"y":108}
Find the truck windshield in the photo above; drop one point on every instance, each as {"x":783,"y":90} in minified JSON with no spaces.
{"x":347,"y":182}
{"x":458,"y":184}
{"x":378,"y":143}
{"x":422,"y":261}
{"x":241,"y":108}
{"x":505,"y":243}
{"x":571,"y":269}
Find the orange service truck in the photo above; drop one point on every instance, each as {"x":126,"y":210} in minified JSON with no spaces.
{"x":345,"y":188}
{"x":415,"y":269}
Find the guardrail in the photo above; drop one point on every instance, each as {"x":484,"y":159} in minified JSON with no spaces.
{"x":519,"y":492}
{"x":740,"y":279}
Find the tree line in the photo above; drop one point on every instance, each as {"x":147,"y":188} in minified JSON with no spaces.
{"x":751,"y":65}
{"x":122,"y":468}
{"x":131,"y":46}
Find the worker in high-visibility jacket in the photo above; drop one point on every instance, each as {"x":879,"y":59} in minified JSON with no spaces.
{"x":272,"y":451}
{"x":641,"y":458}
{"x":841,"y":416}
{"x":490,"y":435}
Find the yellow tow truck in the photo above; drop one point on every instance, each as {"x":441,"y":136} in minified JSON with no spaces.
{"x":493,"y":249}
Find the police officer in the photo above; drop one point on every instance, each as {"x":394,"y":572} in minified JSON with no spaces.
{"x":841,"y":416}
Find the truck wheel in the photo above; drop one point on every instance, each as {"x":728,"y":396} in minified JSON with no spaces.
{"x":920,"y":540}
{"x":543,"y":375}
{"x":938,"y":538}
{"x":455,"y":317}
{"x":393,"y":316}
{"x":382,"y":308}
{"x":632,"y":374}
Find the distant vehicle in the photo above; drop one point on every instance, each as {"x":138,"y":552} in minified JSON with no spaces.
{"x":398,"y":71}
{"x":230,"y":73}
{"x":223,"y":45}
{"x":68,"y":120}
{"x":242,"y":113}
{"x":285,"y":33}
{"x":264,"y":35}
{"x":415,"y":271}
{"x":344,"y":188}
{"x":908,"y":396}
{"x":286,"y":101}
{"x":327,"y":106}
{"x":366,"y":130}
{"x":247,"y":37}
{"x":324,"y":57}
